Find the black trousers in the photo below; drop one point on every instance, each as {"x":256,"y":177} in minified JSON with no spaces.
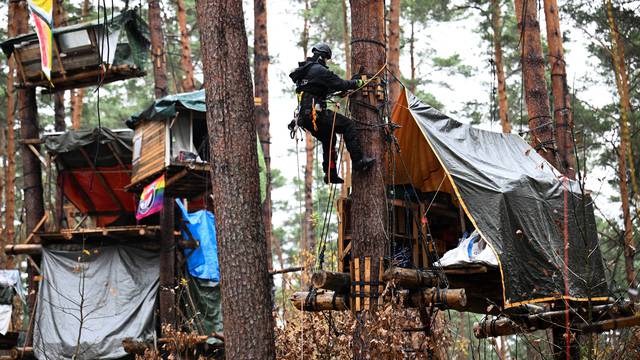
{"x":325,"y":124}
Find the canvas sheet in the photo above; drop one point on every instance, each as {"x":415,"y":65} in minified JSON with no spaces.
{"x":117,"y":288}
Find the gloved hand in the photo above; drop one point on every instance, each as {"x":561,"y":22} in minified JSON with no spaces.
{"x":292,"y":125}
{"x":360,"y":83}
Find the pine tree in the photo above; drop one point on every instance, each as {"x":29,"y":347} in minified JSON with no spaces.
{"x":248,"y":322}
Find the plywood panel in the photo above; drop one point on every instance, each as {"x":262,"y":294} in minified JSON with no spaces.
{"x":152,"y":152}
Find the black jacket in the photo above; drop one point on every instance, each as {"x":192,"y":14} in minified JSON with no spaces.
{"x":315,"y":78}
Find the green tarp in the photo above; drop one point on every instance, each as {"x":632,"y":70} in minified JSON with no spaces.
{"x":107,"y":143}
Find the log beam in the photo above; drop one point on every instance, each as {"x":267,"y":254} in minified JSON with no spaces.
{"x":20,"y":249}
{"x":335,"y":281}
{"x":454,"y":299}
{"x":321,"y":301}
{"x":410,"y":278}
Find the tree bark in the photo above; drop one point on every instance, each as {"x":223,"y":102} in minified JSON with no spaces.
{"x":369,"y":209}
{"x":245,"y":281}
{"x":167,"y":298}
{"x":412,"y":56}
{"x":77,"y":97}
{"x":59,"y":19}
{"x":185,"y":47}
{"x":563,"y":116}
{"x":10,"y":173}
{"x":535,"y":85}
{"x":158,"y":55}
{"x":308,"y":229}
{"x":261,"y":81}
{"x":345,"y":157}
{"x":503,"y":105}
{"x":394,"y":50}
{"x":624,"y":150}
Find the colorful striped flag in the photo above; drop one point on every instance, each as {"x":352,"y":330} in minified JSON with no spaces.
{"x":151,"y":199}
{"x":42,"y":15}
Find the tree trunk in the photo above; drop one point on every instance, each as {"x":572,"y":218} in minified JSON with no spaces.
{"x":185,"y":46}
{"x":503,"y":105}
{"x":345,"y":157}
{"x":59,"y":19}
{"x":261,"y":81}
{"x":77,"y":97}
{"x":394,"y":51}
{"x":563,"y":116}
{"x":308,"y":230}
{"x":245,"y":281}
{"x":10,"y":173}
{"x":158,"y":56}
{"x":369,"y":209}
{"x":535,"y":85}
{"x":624,"y":150}
{"x":167,"y":299}
{"x":412,"y":56}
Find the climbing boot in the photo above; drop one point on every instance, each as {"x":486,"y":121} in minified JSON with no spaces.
{"x":363,"y":164}
{"x":335,"y":179}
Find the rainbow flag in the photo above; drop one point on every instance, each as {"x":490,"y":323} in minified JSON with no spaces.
{"x":42,"y":15}
{"x":151,"y":198}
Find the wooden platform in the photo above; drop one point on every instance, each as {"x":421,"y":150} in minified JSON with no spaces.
{"x":98,"y":234}
{"x":181,"y":181}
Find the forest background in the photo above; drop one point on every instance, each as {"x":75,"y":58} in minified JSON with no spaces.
{"x":446,"y":59}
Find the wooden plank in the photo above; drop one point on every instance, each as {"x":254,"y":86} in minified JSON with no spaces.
{"x":102,"y":180}
{"x":367,"y":281}
{"x":356,"y":273}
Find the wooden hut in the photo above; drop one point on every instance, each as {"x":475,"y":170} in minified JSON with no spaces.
{"x":84,"y":54}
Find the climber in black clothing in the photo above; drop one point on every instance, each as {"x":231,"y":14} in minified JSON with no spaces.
{"x":314,"y":83}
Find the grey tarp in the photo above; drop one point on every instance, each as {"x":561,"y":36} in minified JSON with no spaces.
{"x":108,"y":144}
{"x":517,"y":201}
{"x":118,"y":297}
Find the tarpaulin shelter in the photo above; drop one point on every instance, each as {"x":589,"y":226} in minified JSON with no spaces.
{"x":94,"y":166}
{"x":171,"y":137}
{"x":513,"y":197}
{"x":100,"y":296}
{"x":80,"y":51}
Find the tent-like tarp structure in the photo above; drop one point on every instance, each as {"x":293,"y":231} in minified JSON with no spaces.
{"x":86,"y":158}
{"x":102,"y":295}
{"x":514,"y":198}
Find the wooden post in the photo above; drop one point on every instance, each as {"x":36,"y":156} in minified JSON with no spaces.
{"x":455,"y":299}
{"x":167,"y":297}
{"x":503,"y":105}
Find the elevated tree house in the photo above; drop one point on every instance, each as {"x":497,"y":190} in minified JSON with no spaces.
{"x":84,"y":54}
{"x":171,"y":138}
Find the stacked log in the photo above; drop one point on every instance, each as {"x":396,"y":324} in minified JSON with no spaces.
{"x":319,"y":300}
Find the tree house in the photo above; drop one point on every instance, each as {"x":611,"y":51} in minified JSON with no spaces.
{"x":171,"y":138}
{"x":84,"y":54}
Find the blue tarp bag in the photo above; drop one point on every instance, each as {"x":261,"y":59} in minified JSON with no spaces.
{"x":202,"y":262}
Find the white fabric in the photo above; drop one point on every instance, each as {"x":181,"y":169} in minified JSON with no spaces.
{"x":12,"y":278}
{"x":5,"y":318}
{"x":471,"y":250}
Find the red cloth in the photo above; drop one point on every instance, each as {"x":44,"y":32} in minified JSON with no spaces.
{"x":88,"y":181}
